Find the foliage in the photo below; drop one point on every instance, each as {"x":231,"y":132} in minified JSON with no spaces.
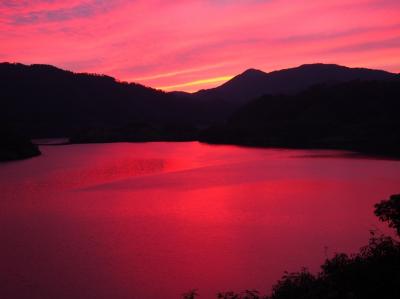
{"x":389,"y":211}
{"x":247,"y":294}
{"x":374,"y":272}
{"x":192,"y":294}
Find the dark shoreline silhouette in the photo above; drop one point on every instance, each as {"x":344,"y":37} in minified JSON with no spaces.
{"x":15,"y":146}
{"x":315,"y":106}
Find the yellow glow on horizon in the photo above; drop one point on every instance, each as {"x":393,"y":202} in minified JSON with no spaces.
{"x":197,"y":82}
{"x":181,"y":72}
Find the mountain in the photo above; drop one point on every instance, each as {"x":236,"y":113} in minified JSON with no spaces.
{"x":255,"y":83}
{"x":45,"y":101}
{"x":357,"y":115}
{"x":49,"y":102}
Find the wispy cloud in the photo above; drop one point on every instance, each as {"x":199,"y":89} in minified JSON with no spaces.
{"x":181,"y":43}
{"x":80,"y":10}
{"x":197,"y":83}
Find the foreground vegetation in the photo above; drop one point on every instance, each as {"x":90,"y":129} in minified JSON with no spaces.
{"x":374,"y":272}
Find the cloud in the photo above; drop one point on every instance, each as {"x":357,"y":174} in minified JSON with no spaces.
{"x":81,"y":10}
{"x":197,"y":82}
{"x":392,"y":43}
{"x":178,"y":42}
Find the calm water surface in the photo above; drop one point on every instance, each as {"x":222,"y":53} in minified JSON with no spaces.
{"x":154,"y":220}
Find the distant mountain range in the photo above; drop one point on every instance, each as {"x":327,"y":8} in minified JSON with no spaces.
{"x":255,"y":83}
{"x":45,"y":101}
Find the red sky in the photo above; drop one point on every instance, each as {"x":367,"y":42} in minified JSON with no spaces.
{"x":189,"y":44}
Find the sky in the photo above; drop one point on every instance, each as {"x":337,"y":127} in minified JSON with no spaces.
{"x":191,"y":44}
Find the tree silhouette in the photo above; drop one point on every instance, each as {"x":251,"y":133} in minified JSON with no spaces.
{"x":389,"y":211}
{"x":192,"y":294}
{"x":373,"y":272}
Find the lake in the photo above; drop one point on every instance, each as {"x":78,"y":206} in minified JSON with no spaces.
{"x":154,"y":220}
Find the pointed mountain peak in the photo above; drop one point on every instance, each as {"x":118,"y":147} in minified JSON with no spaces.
{"x":248,"y":75}
{"x":251,"y":73}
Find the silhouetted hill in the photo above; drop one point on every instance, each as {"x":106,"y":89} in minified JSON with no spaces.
{"x":356,"y":115}
{"x":46,"y":101}
{"x":255,"y":83}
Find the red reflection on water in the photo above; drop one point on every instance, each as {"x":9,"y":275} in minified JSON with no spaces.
{"x":144,"y":220}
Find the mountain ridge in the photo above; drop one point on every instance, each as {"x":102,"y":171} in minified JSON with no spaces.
{"x":249,"y":72}
{"x":44,"y":101}
{"x":254,"y":83}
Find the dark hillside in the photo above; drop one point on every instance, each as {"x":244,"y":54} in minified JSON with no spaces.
{"x":357,"y":115}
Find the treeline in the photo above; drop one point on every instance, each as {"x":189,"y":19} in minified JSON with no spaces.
{"x":43,"y":101}
{"x":358,"y":115}
{"x":136,"y":132}
{"x":46,"y":102}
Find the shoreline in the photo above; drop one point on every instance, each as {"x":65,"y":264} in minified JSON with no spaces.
{"x":351,"y":151}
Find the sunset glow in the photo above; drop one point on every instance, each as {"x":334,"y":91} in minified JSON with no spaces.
{"x":192,"y":44}
{"x":187,"y":85}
